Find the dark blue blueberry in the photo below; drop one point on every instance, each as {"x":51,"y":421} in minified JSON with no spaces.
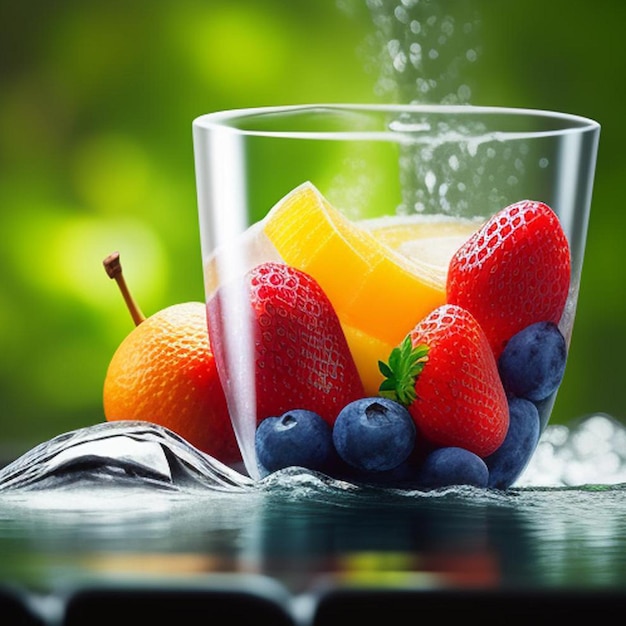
{"x":296,"y":438}
{"x":510,"y":459}
{"x":449,"y":466}
{"x":374,"y":434}
{"x":533,"y":362}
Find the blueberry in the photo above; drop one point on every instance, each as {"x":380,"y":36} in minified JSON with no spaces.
{"x":374,"y":434}
{"x":296,"y":438}
{"x":509,"y":460}
{"x":533,"y":362}
{"x":444,"y":467}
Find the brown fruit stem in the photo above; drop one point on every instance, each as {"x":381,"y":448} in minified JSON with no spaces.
{"x":113,"y":268}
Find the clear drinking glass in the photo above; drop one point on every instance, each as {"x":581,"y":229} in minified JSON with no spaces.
{"x":456,"y":164}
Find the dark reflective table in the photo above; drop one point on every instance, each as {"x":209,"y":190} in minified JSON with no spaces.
{"x":109,"y":523}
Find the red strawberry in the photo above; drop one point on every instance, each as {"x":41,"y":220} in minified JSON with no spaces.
{"x":299,"y":352}
{"x":513,"y":272}
{"x":446,"y":374}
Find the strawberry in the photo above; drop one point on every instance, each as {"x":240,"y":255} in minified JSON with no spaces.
{"x":446,"y":374}
{"x":299,"y":352}
{"x":513,"y":272}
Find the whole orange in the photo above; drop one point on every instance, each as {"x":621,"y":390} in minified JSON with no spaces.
{"x":164,"y":372}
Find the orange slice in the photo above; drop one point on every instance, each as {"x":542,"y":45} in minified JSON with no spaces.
{"x":372,"y":287}
{"x":375,"y":276}
{"x":429,"y":241}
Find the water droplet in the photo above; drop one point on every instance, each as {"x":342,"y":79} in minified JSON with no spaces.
{"x":399,"y":62}
{"x":447,"y":26}
{"x":464,"y":93}
{"x":401,"y":14}
{"x":431,"y":180}
{"x":415,"y":27}
{"x":415,"y":53}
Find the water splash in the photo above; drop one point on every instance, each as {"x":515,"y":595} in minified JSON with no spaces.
{"x":426,"y":48}
{"x":426,"y":52}
{"x":144,"y":457}
{"x":590,"y":451}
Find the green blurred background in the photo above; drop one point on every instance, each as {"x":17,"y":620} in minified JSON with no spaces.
{"x":96,"y":104}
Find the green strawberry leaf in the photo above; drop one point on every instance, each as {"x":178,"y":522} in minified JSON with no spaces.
{"x":405,"y":364}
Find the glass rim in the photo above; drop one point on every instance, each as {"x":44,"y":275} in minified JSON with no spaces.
{"x":563,"y":123}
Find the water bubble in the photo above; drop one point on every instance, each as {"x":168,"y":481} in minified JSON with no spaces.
{"x":399,"y":62}
{"x":393,"y":47}
{"x":415,"y":54}
{"x":431,"y":180}
{"x":415,"y":27}
{"x":464,"y":93}
{"x":423,"y":86}
{"x":447,"y":26}
{"x":401,"y":14}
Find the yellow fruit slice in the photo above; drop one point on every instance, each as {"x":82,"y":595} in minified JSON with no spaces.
{"x":382,"y":276}
{"x":429,"y":241}
{"x":366,"y":351}
{"x":373,"y":288}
